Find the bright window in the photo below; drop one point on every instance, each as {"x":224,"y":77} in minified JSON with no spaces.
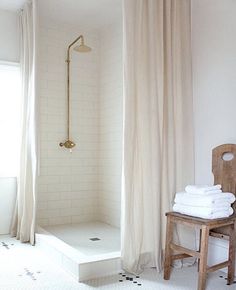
{"x":10,"y":118}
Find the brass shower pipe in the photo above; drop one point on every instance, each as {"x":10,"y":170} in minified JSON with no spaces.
{"x":80,"y":48}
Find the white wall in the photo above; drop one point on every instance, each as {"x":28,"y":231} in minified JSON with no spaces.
{"x":214,"y":75}
{"x":110,"y":129}
{"x":9,"y":36}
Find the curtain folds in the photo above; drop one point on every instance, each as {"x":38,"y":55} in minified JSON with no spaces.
{"x":23,"y":225}
{"x":158,"y":123}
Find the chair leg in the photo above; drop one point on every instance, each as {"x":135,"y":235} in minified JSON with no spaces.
{"x":203,"y":258}
{"x":169,"y":237}
{"x":232,"y":248}
{"x":200,"y":239}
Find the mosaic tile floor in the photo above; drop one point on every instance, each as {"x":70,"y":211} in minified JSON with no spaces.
{"x":23,"y":267}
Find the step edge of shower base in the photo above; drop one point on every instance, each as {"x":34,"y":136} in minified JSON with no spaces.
{"x":80,"y":266}
{"x":99,"y":269}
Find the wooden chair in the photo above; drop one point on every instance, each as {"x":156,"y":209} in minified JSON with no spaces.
{"x":225,"y":228}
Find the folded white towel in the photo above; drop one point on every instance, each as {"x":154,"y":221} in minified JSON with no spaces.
{"x":206,"y":212}
{"x":222,"y":199}
{"x":203,"y":189}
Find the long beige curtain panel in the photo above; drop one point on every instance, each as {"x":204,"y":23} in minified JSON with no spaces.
{"x":158,"y":123}
{"x":23,"y":226}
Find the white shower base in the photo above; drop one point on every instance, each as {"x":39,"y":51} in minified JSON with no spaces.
{"x":87,"y":250}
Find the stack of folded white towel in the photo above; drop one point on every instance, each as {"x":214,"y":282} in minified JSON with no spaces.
{"x":207,"y":202}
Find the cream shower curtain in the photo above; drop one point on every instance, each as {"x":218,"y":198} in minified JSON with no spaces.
{"x":158,"y":123}
{"x":23,"y":226}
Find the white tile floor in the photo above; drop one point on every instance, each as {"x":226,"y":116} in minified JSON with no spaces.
{"x":23,"y":267}
{"x":78,"y":236}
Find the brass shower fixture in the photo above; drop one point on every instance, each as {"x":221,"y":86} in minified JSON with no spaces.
{"x":79,"y":48}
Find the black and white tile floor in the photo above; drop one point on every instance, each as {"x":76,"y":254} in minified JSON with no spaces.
{"x":23,"y":267}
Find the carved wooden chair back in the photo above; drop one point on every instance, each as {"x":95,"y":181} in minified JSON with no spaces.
{"x":224,"y":167}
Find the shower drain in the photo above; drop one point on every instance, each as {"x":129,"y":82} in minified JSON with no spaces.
{"x":95,"y":239}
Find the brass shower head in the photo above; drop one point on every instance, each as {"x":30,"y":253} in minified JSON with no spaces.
{"x":82,"y":47}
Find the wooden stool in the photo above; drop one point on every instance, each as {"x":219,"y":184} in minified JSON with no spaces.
{"x":225,"y":174}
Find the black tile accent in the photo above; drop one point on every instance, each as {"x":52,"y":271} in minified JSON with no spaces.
{"x":30,"y":274}
{"x":94,"y":239}
{"x":127,"y":277}
{"x":225,"y":278}
{"x":6,"y":246}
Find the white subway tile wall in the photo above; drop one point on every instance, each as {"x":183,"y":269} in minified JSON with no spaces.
{"x":83,"y":185}
{"x":110,"y":129}
{"x":68,"y":181}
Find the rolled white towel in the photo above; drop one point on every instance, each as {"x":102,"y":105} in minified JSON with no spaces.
{"x":218,"y":199}
{"x":203,"y":189}
{"x":206,"y":212}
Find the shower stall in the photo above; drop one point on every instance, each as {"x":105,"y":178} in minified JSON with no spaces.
{"x":79,"y":187}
